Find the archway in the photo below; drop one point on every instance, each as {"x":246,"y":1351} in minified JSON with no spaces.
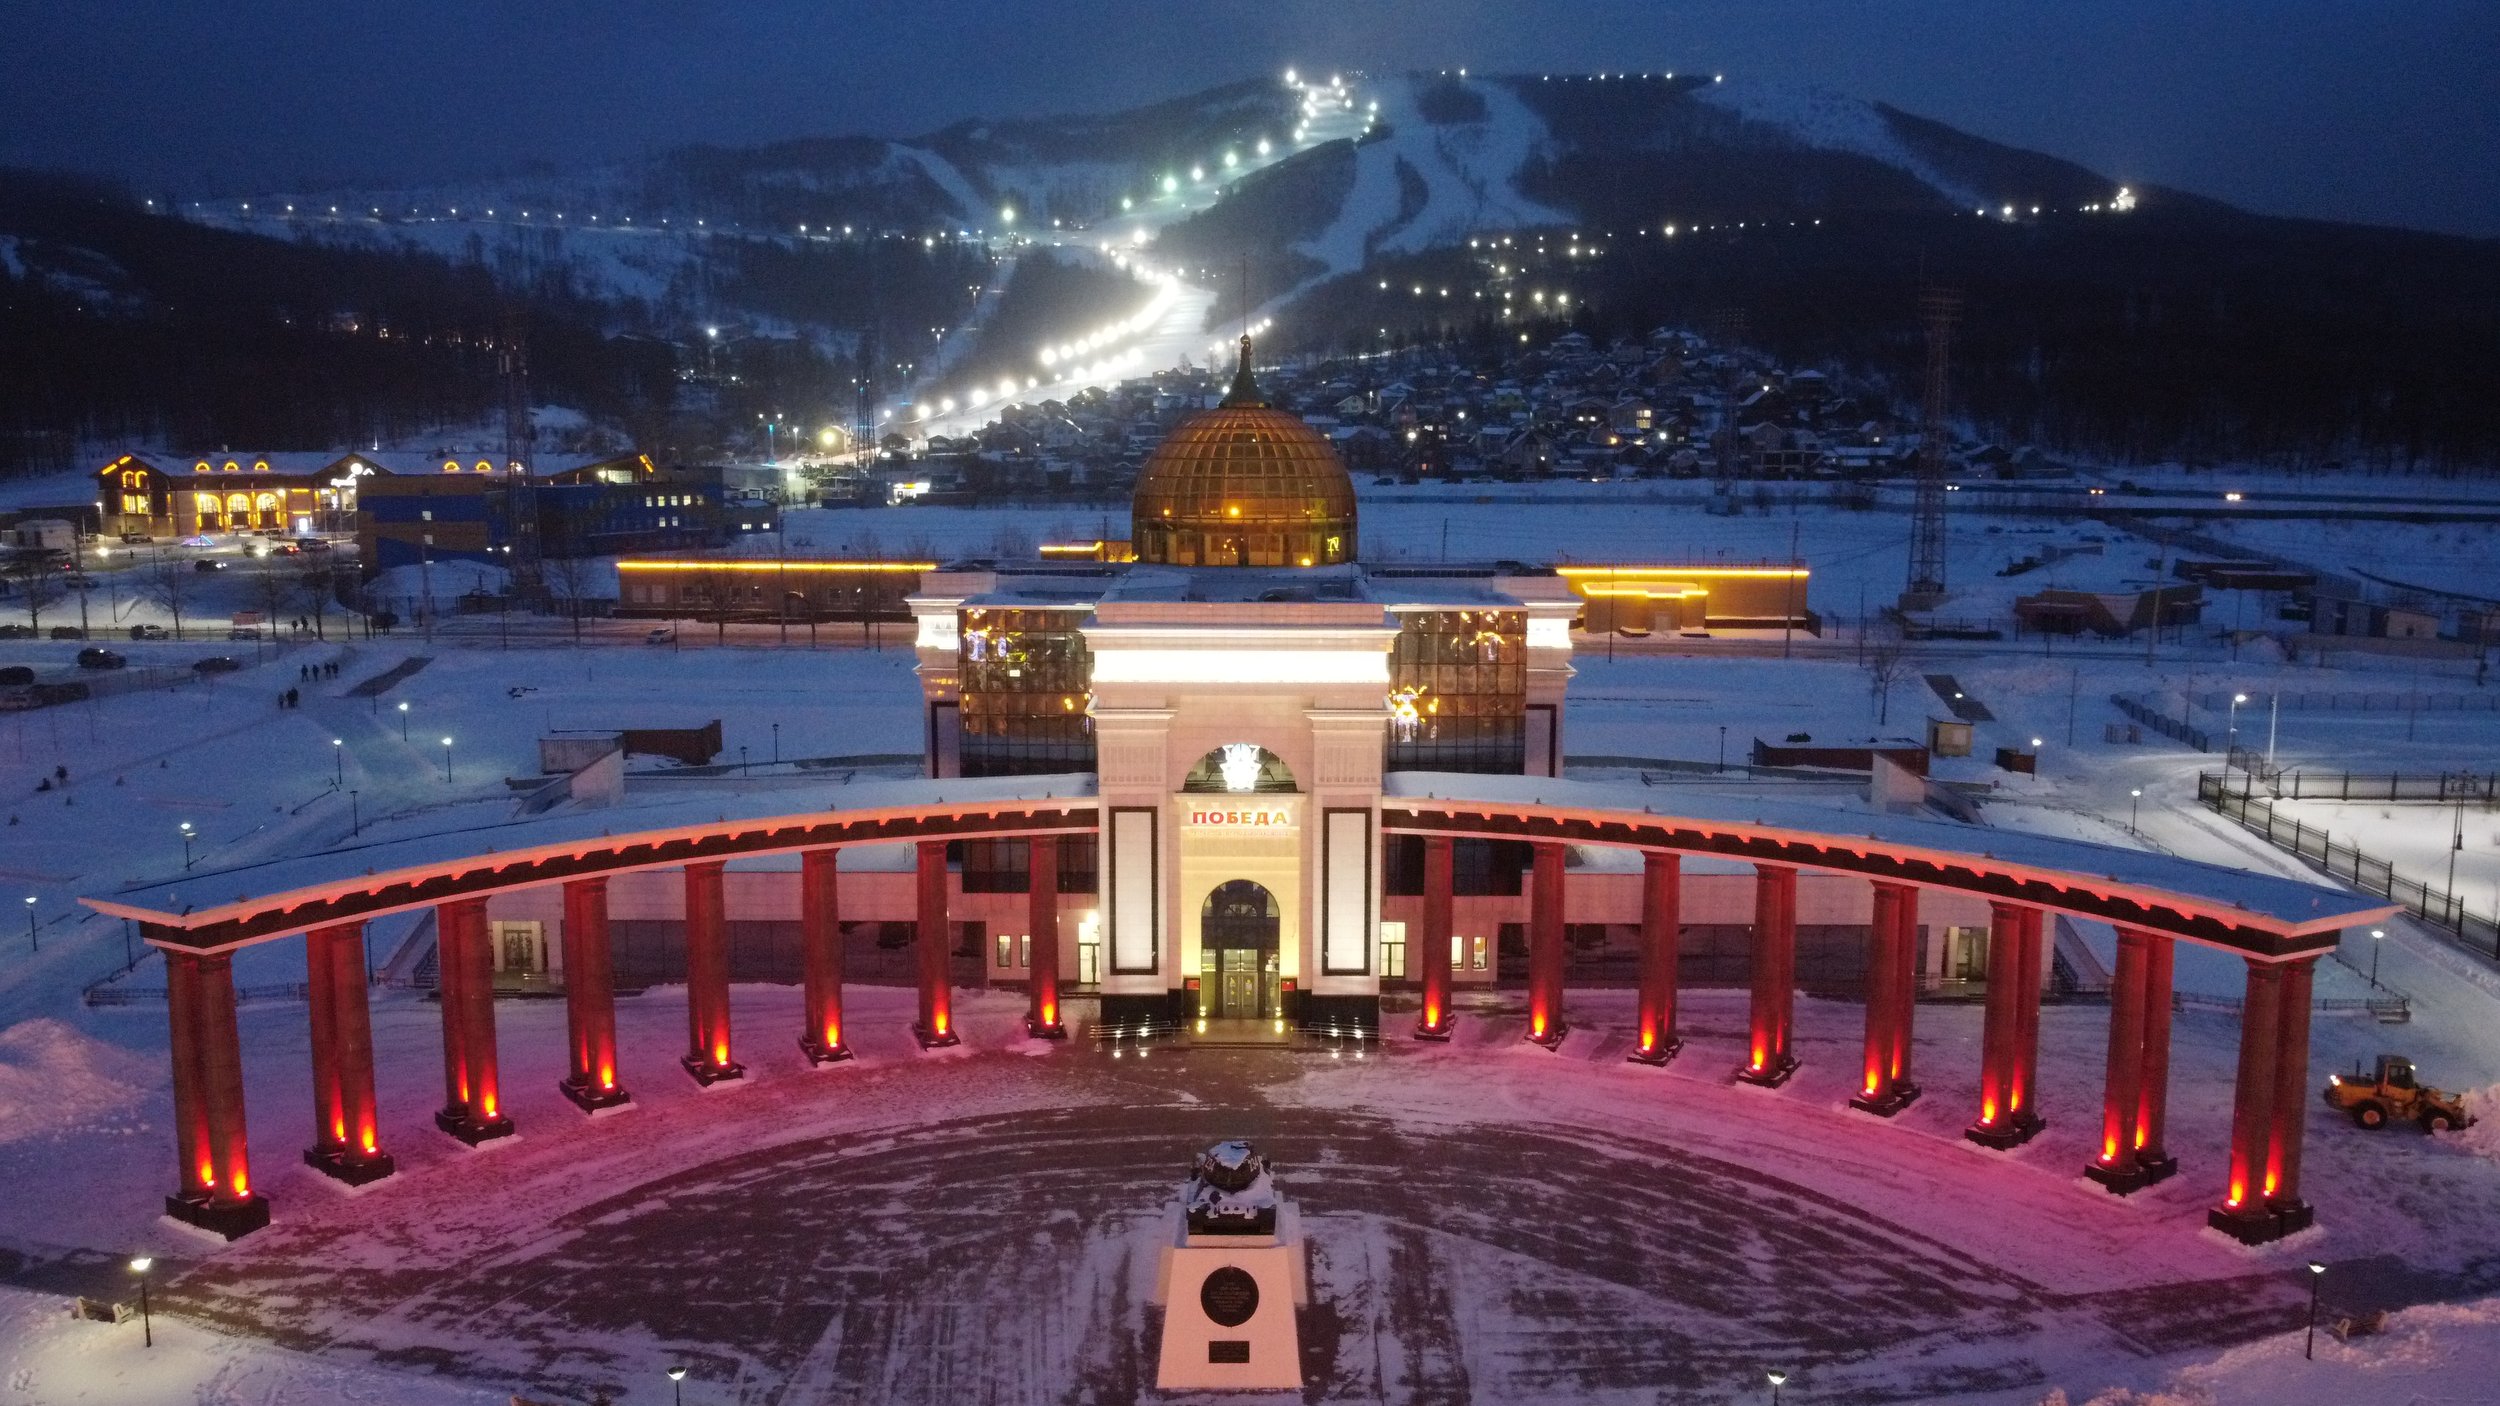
{"x":1238,"y":930}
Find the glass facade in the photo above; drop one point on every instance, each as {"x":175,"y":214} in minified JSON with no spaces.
{"x":1244,"y":486}
{"x":1458,"y":691}
{"x":1025,"y":677}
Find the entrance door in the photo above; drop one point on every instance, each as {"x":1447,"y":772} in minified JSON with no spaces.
{"x":1238,"y":928}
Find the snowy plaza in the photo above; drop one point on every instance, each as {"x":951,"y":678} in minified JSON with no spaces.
{"x":1490,"y":1219}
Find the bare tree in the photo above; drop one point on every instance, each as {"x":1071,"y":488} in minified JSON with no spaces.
{"x":168,"y":584}
{"x":1887,"y":662}
{"x":274,"y":593}
{"x":38,"y":582}
{"x":719,"y":582}
{"x":569,"y":581}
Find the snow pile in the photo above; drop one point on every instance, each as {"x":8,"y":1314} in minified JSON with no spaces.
{"x":2482,"y":1139}
{"x":56,"y":1079}
{"x":2430,"y":1353}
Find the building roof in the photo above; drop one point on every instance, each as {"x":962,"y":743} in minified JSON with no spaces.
{"x":1244,"y":484}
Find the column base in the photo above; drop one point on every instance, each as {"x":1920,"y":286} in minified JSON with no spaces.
{"x":1039,"y":1030}
{"x":1770,"y":1076}
{"x":2261,"y":1225}
{"x":1888,"y":1102}
{"x":353,"y":1168}
{"x":231,"y":1219}
{"x":2156,"y":1166}
{"x":818,"y":1052}
{"x":590,"y":1100}
{"x":2118,"y":1181}
{"x":1551,"y":1039}
{"x":2007,"y":1134}
{"x":1439,"y":1034}
{"x":707,"y":1073}
{"x":934,"y":1039}
{"x":458,"y":1123}
{"x":1658,"y":1055}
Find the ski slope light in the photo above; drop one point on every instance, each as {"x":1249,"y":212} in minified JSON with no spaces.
{"x":1170,"y":184}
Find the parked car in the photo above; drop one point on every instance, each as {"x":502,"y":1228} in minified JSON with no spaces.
{"x":148,"y":632}
{"x":243,"y":632}
{"x":208,"y":564}
{"x":17,"y":632}
{"x":137,"y":539}
{"x":48,"y":694}
{"x":79,"y":581}
{"x":312,"y":544}
{"x":97,"y":657}
{"x":215,"y":664}
{"x":661,"y":635}
{"x":18,"y":700}
{"x":16,"y":676}
{"x":68,"y":632}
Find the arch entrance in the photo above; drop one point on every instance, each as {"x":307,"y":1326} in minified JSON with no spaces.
{"x":1239,"y":927}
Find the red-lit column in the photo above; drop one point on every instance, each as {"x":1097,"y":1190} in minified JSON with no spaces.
{"x":1662,"y":916}
{"x":216,"y":1184}
{"x":1545,"y":948}
{"x":2152,"y":1100}
{"x":2244,"y":1212}
{"x":2009,"y":1044}
{"x":472,"y":1108}
{"x":590,"y":999}
{"x":346,"y":1134}
{"x":2291,"y":1101}
{"x":1041,"y":924}
{"x":2121,"y":1092}
{"x":707,"y":1056}
{"x":1891,"y":988}
{"x":1432,"y":953}
{"x":1768,"y":1059}
{"x":936,"y":1025}
{"x":820,"y":955}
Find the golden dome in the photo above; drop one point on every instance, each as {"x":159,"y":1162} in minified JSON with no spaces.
{"x":1244,"y":484}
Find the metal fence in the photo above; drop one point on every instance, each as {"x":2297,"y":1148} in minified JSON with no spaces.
{"x":2432,"y":786}
{"x":2478,"y":933}
{"x":2382,"y":701}
{"x":155,"y":995}
{"x":2163,"y":723}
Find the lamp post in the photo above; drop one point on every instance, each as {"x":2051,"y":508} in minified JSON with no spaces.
{"x":355,"y":816}
{"x":446,"y":759}
{"x":2231,"y":733}
{"x":403,"y":722}
{"x":2317,"y":1273}
{"x":33,"y":938}
{"x":2135,"y":802}
{"x":1778,"y":1380}
{"x":776,"y":744}
{"x":2378,"y":938}
{"x":677,"y":1380}
{"x":338,"y":761}
{"x":1723,"y":746}
{"x":140,"y":1265}
{"x":187,"y":834}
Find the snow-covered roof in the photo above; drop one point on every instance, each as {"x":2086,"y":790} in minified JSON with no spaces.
{"x":228,"y":907}
{"x":2257,"y":913}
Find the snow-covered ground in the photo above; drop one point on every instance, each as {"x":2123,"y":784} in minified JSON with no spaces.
{"x":2076,"y":1292}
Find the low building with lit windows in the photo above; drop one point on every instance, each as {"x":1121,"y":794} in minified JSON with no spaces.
{"x":166,"y":495}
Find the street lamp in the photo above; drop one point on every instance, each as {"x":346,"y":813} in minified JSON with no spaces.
{"x":2135,"y":802}
{"x":677,"y":1379}
{"x":1723,"y":746}
{"x":338,"y":760}
{"x":33,"y":939}
{"x":140,"y":1265}
{"x":355,"y":816}
{"x":2378,"y":937}
{"x":446,"y":759}
{"x":187,"y":834}
{"x":2317,"y":1273}
{"x":403,"y":722}
{"x":1778,"y":1379}
{"x":2230,"y":735}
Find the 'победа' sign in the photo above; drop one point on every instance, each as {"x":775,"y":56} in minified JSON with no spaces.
{"x":1241,"y":817}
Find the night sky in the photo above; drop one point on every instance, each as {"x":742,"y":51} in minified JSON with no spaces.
{"x":2345,"y":109}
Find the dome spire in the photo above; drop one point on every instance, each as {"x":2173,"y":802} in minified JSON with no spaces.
{"x":1245,"y":392}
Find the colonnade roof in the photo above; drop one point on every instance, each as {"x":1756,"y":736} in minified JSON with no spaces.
{"x":219,"y":908}
{"x":2260,"y":915}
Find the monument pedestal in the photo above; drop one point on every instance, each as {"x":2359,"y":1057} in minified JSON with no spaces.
{"x":1228,"y":1307}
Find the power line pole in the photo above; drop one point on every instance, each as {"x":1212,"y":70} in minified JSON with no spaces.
{"x":1940,"y":309}
{"x":520,"y":437}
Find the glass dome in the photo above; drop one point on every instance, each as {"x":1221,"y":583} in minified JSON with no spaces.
{"x":1244,"y":484}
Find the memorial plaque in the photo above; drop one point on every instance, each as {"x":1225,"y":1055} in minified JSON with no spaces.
{"x":1230,"y":1296}
{"x":1229,"y":1350}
